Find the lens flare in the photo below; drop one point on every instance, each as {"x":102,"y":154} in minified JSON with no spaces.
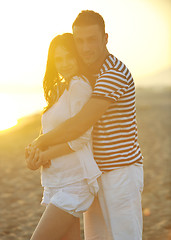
{"x":8,"y":117}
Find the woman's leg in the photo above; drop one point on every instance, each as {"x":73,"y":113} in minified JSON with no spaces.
{"x":74,"y":231}
{"x":53,"y":225}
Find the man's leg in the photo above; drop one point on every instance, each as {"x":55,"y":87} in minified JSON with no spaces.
{"x":94,"y":223}
{"x":122,"y":193}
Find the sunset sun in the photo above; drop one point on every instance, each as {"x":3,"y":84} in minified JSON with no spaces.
{"x":8,"y":114}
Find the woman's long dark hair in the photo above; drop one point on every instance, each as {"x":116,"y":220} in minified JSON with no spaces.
{"x":52,"y":85}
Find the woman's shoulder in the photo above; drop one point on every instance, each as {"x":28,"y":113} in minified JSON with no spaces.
{"x":79,"y":81}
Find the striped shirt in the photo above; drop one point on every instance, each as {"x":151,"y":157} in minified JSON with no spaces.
{"x":115,"y":133}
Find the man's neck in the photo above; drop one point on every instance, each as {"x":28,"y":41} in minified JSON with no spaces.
{"x":95,"y":67}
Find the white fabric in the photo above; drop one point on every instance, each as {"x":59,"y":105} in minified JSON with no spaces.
{"x":73,"y":167}
{"x":79,"y":93}
{"x":118,"y":205}
{"x":74,"y":199}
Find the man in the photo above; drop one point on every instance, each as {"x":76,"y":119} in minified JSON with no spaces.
{"x":116,"y":213}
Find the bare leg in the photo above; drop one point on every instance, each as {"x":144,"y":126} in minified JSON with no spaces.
{"x":53,"y":225}
{"x":74,"y":231}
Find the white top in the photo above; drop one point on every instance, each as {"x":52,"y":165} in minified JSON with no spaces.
{"x":80,"y":164}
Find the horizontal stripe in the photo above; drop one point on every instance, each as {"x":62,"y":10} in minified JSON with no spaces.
{"x":112,"y":153}
{"x":116,"y":138}
{"x":103,"y":154}
{"x":111,"y":128}
{"x":128,"y":94}
{"x":118,"y":115}
{"x":127,"y":99}
{"x":112,"y":149}
{"x":105,"y":168}
{"x":115,"y":133}
{"x":111,"y":131}
{"x":109,"y":160}
{"x":116,"y":108}
{"x":119,"y":104}
{"x":117,"y":147}
{"x":111,"y":82}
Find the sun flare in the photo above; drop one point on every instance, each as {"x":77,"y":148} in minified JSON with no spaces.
{"x":6,"y":125}
{"x":8,"y":114}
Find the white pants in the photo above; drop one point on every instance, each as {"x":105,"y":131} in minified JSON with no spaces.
{"x":116,"y":213}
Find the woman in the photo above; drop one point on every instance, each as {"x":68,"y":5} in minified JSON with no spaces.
{"x":68,"y":172}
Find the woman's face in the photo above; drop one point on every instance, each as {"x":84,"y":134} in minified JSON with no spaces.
{"x":65,"y":63}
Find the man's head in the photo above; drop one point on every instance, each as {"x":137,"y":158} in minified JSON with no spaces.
{"x":90,"y":37}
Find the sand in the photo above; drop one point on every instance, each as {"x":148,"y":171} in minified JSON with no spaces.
{"x":21,"y":192}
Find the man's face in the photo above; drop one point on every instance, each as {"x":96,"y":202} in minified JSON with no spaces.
{"x":90,"y":43}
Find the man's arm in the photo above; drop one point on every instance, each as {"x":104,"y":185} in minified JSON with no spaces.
{"x":36,"y":158}
{"x":75,"y":126}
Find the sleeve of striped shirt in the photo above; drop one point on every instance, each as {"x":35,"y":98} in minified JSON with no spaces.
{"x":79,"y":93}
{"x":111,"y":85}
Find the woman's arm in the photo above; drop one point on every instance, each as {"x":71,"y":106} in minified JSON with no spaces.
{"x":38,"y":158}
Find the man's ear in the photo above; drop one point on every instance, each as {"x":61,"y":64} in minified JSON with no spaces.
{"x":106,"y":38}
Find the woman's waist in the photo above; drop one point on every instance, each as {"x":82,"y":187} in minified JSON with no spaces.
{"x":59,"y":177}
{"x":63,"y":163}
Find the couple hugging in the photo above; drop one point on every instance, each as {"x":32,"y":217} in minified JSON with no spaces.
{"x":88,"y":151}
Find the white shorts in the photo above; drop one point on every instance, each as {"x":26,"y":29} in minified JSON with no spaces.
{"x":74,"y":198}
{"x":116,"y":213}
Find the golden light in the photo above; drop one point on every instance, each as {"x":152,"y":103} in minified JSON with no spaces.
{"x":139,"y":35}
{"x":8,"y":114}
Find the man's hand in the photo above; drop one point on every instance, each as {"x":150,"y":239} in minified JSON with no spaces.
{"x":40,"y":143}
{"x":37,"y":142}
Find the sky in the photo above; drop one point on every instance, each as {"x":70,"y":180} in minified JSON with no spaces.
{"x":139,"y":35}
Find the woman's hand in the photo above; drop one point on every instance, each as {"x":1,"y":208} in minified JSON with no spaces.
{"x":35,"y":158}
{"x":32,"y":158}
{"x":27,"y":151}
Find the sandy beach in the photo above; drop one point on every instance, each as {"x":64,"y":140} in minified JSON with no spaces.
{"x":21,"y":192}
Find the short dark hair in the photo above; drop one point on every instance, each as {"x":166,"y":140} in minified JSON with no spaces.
{"x":89,"y":17}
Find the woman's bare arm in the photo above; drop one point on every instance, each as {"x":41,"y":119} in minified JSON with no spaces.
{"x":36,"y":158}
